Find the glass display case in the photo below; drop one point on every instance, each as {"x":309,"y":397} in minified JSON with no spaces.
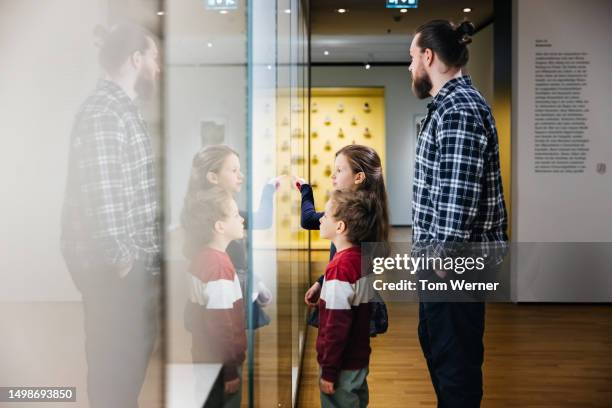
{"x":236,"y":75}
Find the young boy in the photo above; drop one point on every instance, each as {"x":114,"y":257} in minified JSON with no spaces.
{"x":217,"y":306}
{"x":343,"y":342}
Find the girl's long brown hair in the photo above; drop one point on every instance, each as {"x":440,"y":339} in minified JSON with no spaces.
{"x":365,"y":159}
{"x":204,"y":202}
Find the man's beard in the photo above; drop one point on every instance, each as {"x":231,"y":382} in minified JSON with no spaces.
{"x":421,"y":86}
{"x":144,"y":87}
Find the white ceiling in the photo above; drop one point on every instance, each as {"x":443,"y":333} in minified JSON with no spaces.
{"x":360,"y":48}
{"x":371,"y":32}
{"x":368,"y":32}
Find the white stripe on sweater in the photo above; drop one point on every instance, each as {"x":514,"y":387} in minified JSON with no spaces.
{"x":364,"y":291}
{"x":341,"y":295}
{"x":217,"y":294}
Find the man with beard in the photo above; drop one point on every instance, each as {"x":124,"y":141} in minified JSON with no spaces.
{"x":457,"y":198}
{"x":110,"y":234}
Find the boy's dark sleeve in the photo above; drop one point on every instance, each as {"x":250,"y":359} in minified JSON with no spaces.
{"x":230,"y":352}
{"x":310,"y":218}
{"x":335,"y":320}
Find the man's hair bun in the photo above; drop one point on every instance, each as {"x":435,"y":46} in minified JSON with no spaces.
{"x":447,"y":40}
{"x":464,"y":31}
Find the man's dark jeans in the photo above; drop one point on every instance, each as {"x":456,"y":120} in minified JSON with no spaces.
{"x":451,"y":337}
{"x":120,"y":316}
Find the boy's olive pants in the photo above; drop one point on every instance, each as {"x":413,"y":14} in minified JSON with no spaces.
{"x":351,"y":390}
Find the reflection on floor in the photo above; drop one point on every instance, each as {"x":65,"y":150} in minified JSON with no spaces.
{"x":273,"y":351}
{"x":42,"y":344}
{"x":536,"y":355}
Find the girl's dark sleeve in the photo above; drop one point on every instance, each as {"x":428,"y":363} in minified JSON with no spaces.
{"x":262,"y":218}
{"x":332,"y":252}
{"x":310,"y":218}
{"x":320,"y":280}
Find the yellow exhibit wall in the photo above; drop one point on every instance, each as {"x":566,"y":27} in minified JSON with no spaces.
{"x":338,"y":117}
{"x":502,"y":114}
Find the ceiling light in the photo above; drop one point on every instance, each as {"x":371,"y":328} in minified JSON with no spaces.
{"x":209,"y":45}
{"x":342,"y":10}
{"x":403,"y":10}
{"x":367,"y":66}
{"x":325,"y":52}
{"x":287,"y":11}
{"x":160,"y":13}
{"x":222,"y":11}
{"x":269,"y":67}
{"x":467,"y":10}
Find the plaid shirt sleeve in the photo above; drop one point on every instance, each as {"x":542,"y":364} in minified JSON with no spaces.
{"x":462,"y":147}
{"x":103,"y":176}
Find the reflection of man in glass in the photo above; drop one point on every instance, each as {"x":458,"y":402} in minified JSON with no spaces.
{"x":110,"y":238}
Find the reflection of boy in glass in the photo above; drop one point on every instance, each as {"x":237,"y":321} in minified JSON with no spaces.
{"x":212,"y":221}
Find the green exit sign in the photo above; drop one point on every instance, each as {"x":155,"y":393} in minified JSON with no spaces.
{"x":402,"y":4}
{"x":221,"y":4}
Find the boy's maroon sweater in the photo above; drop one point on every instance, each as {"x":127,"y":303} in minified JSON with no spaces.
{"x":343,"y":342}
{"x":218,"y":316}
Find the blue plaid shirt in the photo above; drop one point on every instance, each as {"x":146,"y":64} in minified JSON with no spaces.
{"x":110,"y":213}
{"x":457,"y":188}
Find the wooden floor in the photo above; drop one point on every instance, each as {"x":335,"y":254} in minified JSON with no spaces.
{"x":535,"y":356}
